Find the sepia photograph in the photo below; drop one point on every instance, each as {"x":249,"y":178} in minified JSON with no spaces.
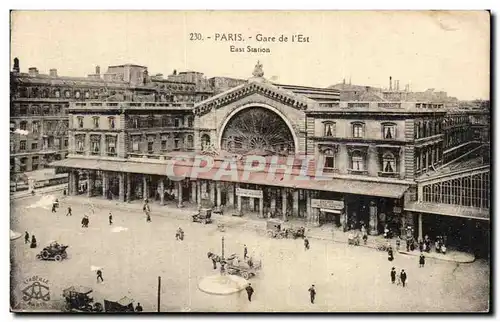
{"x":250,"y":161}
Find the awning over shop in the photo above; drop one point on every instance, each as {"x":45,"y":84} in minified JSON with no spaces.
{"x":293,"y":180}
{"x":449,"y":210}
{"x":332,"y":211}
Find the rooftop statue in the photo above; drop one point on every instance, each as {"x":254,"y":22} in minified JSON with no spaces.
{"x":257,"y":71}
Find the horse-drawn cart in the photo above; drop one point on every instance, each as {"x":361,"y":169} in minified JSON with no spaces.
{"x":204,"y":216}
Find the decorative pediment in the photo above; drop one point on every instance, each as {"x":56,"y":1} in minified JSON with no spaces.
{"x":357,"y":147}
{"x":264,"y":88}
{"x":323,"y":147}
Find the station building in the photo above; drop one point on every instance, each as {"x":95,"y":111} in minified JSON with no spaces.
{"x":372,"y":156}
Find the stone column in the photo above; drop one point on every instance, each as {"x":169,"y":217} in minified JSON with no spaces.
{"x":144,"y":187}
{"x":76,"y":183}
{"x":179,"y":194}
{"x":373,"y":218}
{"x":284,"y":203}
{"x":71,"y":183}
{"x":261,"y":207}
{"x":273,"y":199}
{"x":129,"y":187}
{"x":212,"y":192}
{"x":193,"y":191}
{"x":345,"y":216}
{"x":204,"y":188}
{"x":219,"y":194}
{"x":420,"y":227}
{"x":90,"y":183}
{"x":296,"y":203}
{"x":161,"y":190}
{"x":309,"y":209}
{"x":230,"y":195}
{"x":121,"y":186}
{"x":105,"y":185}
{"x":198,"y":194}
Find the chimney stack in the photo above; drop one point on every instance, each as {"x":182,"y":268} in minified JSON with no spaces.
{"x":98,"y":70}
{"x":397,"y":85}
{"x":390,"y":83}
{"x":33,"y":71}
{"x":53,"y":72}
{"x":16,"y":65}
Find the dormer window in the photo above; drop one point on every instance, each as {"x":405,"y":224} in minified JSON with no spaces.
{"x":329,"y":129}
{"x":358,"y":130}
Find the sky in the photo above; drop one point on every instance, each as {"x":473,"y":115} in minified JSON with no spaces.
{"x":444,"y":50}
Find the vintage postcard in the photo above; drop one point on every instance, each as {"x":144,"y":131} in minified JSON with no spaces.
{"x":250,"y":161}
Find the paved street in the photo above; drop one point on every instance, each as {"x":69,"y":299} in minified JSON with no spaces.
{"x":346,"y":278}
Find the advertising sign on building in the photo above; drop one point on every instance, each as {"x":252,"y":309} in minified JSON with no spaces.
{"x":327,"y":204}
{"x":249,"y":193}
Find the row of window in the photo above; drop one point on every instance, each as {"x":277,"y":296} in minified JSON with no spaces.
{"x":457,"y":120}
{"x":60,"y":126}
{"x":48,"y":143}
{"x":426,"y":157}
{"x":357,"y":161}
{"x":471,"y":191}
{"x":425,"y":129}
{"x":35,"y":92}
{"x":455,"y":138}
{"x":358,"y":130}
{"x":164,"y":121}
{"x":96,"y":122}
{"x":95,"y":144}
{"x":26,"y":110}
{"x":166,"y":142}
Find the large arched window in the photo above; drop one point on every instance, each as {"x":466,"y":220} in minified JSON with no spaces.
{"x":388,"y":163}
{"x":427,"y":193}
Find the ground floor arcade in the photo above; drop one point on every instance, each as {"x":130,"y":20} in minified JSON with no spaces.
{"x":314,"y":207}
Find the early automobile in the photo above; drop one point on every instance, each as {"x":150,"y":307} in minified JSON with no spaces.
{"x":274,"y":228}
{"x":78,"y":299}
{"x":203,"y":216}
{"x":217,"y":210}
{"x":124,"y":304}
{"x":246,"y":268}
{"x":54,"y":251}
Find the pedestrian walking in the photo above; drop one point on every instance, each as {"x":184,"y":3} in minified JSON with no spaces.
{"x":179,"y":234}
{"x":407,"y":245}
{"x":33,"y":241}
{"x":306,"y":243}
{"x":403,"y":277}
{"x":69,"y":212}
{"x":390,"y":254}
{"x":245,"y":252}
{"x":110,"y":218}
{"x":138,"y":308}
{"x":99,"y":276}
{"x":26,"y":237}
{"x":250,"y":291}
{"x":214,"y":262}
{"x":312,"y":293}
{"x":54,"y":206}
{"x":393,"y":275}
{"x":148,"y":217}
{"x":421,"y":261}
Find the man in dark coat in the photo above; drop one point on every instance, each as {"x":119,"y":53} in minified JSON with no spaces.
{"x":312,"y":293}
{"x":69,"y":212}
{"x":421,"y":261}
{"x":245,"y":252}
{"x":390,"y":254}
{"x":403,"y":277}
{"x":138,"y":308}
{"x":110,"y":218}
{"x":393,"y":275}
{"x":99,"y":276}
{"x":306,"y":243}
{"x":33,"y":241}
{"x":26,"y":237}
{"x":54,"y":206}
{"x":250,"y":291}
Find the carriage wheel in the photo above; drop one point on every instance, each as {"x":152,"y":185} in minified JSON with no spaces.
{"x":270,"y":233}
{"x":245,"y":275}
{"x":58,"y":258}
{"x":98,"y":307}
{"x":45,"y":254}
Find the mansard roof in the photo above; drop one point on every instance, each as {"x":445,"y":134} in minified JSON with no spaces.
{"x":260,"y":86}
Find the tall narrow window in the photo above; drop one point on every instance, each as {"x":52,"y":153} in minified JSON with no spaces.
{"x":357,"y":130}
{"x":164,"y":139}
{"x":95,"y":121}
{"x":111,"y":144}
{"x":389,"y":131}
{"x":135,"y":142}
{"x":329,"y":129}
{"x":95,"y":144}
{"x":329,"y":155}
{"x":357,"y":161}
{"x":111,"y":121}
{"x":80,"y":122}
{"x":190,"y":142}
{"x":80,"y":142}
{"x":388,"y":163}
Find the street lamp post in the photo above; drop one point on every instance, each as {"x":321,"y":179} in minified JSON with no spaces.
{"x":222,"y":261}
